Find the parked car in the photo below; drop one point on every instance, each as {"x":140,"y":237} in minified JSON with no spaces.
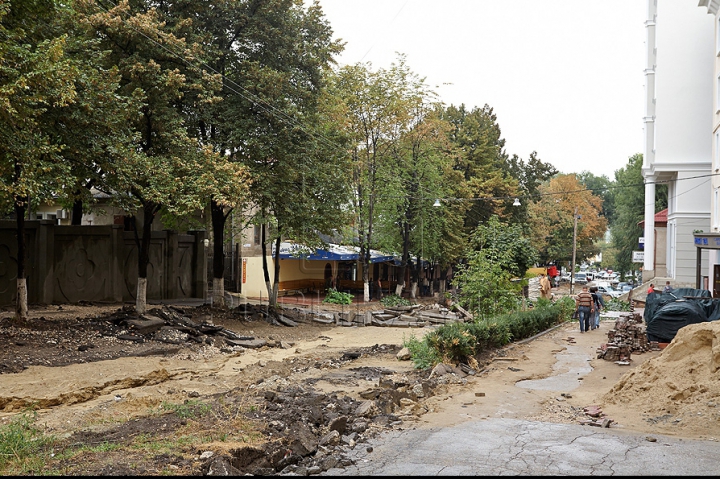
{"x":580,"y":278}
{"x":609,"y":291}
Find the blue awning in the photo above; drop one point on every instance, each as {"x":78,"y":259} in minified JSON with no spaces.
{"x":332,"y":252}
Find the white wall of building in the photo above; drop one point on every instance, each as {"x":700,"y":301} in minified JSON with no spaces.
{"x":711,"y":8}
{"x":679,"y":118}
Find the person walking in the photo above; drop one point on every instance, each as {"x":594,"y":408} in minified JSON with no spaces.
{"x":667,"y":288}
{"x":599,"y":304}
{"x":585,"y":307}
{"x":545,"y":287}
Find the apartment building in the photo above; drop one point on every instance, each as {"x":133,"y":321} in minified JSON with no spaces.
{"x":678,"y":151}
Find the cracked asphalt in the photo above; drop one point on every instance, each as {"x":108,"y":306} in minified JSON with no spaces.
{"x":518,"y":447}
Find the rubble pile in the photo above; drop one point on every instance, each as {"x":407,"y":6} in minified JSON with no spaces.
{"x":595,"y":417}
{"x":414,"y":316}
{"x":626,"y":337}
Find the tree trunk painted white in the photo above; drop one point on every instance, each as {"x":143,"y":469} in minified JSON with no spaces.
{"x":21,"y":308}
{"x":141,"y":298}
{"x":218,"y":299}
{"x":366,"y":291}
{"x":399,"y":289}
{"x":272,"y":298}
{"x":413,"y":289}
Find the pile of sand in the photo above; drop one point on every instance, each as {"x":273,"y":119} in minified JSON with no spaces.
{"x":680,"y":388}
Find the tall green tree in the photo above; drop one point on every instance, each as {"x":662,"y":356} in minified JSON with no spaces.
{"x":482,"y":162}
{"x":37,"y":79}
{"x":272,"y":58}
{"x":629,"y":193}
{"x":552,"y":220}
{"x":600,"y":186}
{"x":498,"y":253}
{"x":379,"y":106}
{"x":169,"y":169}
{"x":418,"y":162}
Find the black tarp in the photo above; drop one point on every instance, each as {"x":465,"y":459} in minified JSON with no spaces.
{"x":666,"y":313}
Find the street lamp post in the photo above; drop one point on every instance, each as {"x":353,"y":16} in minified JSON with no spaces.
{"x":572,"y":266}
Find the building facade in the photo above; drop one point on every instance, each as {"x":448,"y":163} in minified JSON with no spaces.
{"x":711,"y":9}
{"x":679,"y":72}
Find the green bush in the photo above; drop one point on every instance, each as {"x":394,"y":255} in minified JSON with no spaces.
{"x":394,"y":300}
{"x":423,"y":356}
{"x":615,"y":304}
{"x":457,"y":342}
{"x":338,"y":297}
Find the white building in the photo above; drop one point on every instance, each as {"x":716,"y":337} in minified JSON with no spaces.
{"x":710,"y":238}
{"x":679,"y":77}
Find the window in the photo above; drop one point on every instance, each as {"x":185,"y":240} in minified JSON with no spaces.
{"x":257,"y":236}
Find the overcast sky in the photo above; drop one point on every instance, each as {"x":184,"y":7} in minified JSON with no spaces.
{"x":564,"y":77}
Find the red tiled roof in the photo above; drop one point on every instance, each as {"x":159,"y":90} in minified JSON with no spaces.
{"x":660,"y":219}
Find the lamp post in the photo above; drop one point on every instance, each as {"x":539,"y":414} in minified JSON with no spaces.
{"x":572,"y":266}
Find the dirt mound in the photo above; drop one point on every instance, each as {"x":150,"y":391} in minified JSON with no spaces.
{"x":680,"y":388}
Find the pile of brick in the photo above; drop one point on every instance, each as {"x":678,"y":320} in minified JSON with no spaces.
{"x":628,"y":336}
{"x":596,"y":417}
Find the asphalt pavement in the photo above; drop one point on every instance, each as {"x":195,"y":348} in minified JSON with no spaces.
{"x":519,"y":447}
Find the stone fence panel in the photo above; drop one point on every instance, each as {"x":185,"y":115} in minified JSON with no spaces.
{"x":67,"y":264}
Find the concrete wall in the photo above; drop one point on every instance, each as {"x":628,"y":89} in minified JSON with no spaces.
{"x":67,"y":264}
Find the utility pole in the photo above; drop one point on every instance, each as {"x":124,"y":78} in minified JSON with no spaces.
{"x":572,"y":267}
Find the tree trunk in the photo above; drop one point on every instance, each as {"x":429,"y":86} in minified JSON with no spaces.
{"x":272,"y":298}
{"x":21,"y":305}
{"x":416,"y":282}
{"x":141,"y":296}
{"x":276,"y":263}
{"x":405,"y":232}
{"x":219,"y":217}
{"x":77,"y":212}
{"x":443,"y":281}
{"x":143,"y":246}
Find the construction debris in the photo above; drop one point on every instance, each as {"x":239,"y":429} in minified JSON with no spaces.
{"x":414,"y":316}
{"x":628,"y":336}
{"x":598,"y":417}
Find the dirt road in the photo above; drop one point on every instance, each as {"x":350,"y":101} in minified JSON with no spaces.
{"x":157,"y":408}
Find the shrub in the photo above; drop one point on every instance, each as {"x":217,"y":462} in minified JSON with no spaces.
{"x":423,"y":355}
{"x":394,"y":300}
{"x":615,"y":304}
{"x":458,"y":342}
{"x":338,"y":297}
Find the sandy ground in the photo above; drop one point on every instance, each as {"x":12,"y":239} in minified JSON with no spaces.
{"x":552,"y":377}
{"x":81,"y":394}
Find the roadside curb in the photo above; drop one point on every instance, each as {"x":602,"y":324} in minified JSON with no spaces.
{"x":527,"y":340}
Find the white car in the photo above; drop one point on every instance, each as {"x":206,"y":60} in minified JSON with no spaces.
{"x":610,"y":291}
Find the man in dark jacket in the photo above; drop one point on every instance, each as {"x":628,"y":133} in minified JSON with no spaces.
{"x":599,"y":304}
